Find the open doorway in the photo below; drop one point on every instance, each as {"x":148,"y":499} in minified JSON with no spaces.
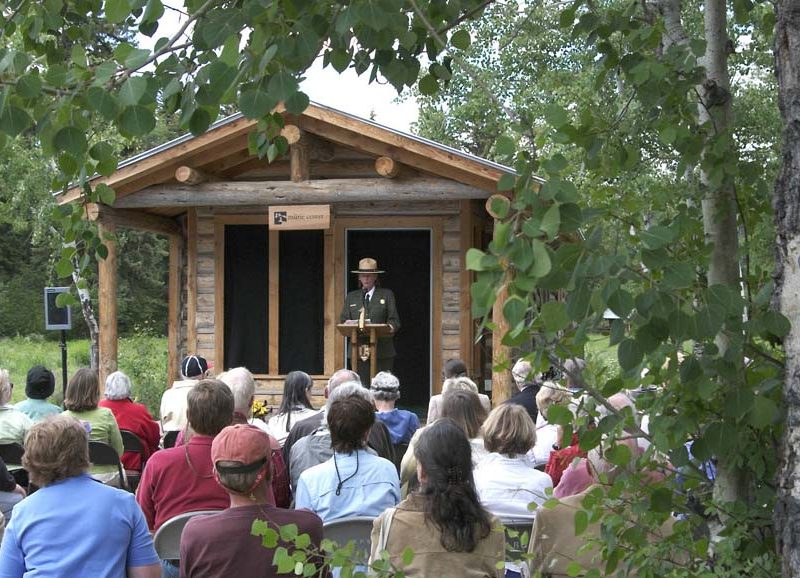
{"x":405,"y":255}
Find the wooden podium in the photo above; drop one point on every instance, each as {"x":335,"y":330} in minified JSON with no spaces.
{"x":372,"y":331}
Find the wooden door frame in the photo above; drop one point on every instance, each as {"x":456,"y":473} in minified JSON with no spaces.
{"x":389,"y":223}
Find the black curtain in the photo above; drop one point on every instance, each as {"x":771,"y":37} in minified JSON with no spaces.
{"x":302,"y":314}
{"x":246,"y":297}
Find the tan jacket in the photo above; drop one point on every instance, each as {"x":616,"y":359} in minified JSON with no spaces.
{"x":553,"y":544}
{"x":431,"y":560}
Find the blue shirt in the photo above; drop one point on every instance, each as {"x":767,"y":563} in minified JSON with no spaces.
{"x":37,"y":409}
{"x":76,"y":527}
{"x":401,"y":424}
{"x":374,"y":487}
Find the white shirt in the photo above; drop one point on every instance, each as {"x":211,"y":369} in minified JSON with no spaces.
{"x":173,"y":405}
{"x":370,"y":293}
{"x":276,"y":426}
{"x":507,"y":485}
{"x":546,"y":435}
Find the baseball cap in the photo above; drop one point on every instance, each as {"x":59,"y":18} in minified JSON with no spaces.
{"x":194,"y":365}
{"x":241,"y":443}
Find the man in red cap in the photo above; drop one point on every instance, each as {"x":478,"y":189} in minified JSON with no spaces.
{"x":222,"y":545}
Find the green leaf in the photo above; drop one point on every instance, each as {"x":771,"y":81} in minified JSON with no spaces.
{"x":461,"y":39}
{"x":661,"y":500}
{"x":554,"y":316}
{"x":506,"y":182}
{"x":297,"y":103}
{"x":657,"y":237}
{"x":619,"y":455}
{"x":407,"y":556}
{"x":556,"y":116}
{"x":132,"y":91}
{"x":117,"y":10}
{"x":136,"y":121}
{"x":14,"y":120}
{"x":103,"y":102}
{"x":505,"y":145}
{"x":72,"y":140}
{"x":574,"y":568}
{"x":29,"y":86}
{"x":551,"y":222}
{"x":514,"y":310}
{"x":64,"y":268}
{"x":578,"y":302}
{"x":282,"y":85}
{"x":776,"y":323}
{"x":581,"y":522}
{"x":153,"y":11}
{"x":105,"y":193}
{"x":629,"y":354}
{"x":559,"y":415}
{"x":288,"y":532}
{"x":542,"y":263}
{"x":256,"y":103}
{"x":763,"y":413}
{"x":428,"y":86}
{"x":590,"y":439}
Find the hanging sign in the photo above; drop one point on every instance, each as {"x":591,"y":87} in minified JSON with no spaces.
{"x":297,"y":217}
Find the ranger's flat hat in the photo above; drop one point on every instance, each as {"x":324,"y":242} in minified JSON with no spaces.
{"x":367,"y":265}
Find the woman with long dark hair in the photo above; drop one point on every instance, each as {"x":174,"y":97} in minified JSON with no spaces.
{"x":295,"y":406}
{"x":444,"y":523}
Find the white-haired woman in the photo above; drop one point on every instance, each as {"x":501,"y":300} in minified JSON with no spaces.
{"x":401,"y":423}
{"x":14,"y":424}
{"x":131,"y":416}
{"x":452,"y":383}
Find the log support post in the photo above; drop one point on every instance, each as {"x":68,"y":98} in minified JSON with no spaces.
{"x":107,"y":296}
{"x":173,"y":306}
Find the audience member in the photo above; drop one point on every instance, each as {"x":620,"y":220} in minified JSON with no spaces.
{"x":462,"y":383}
{"x":10,"y":493}
{"x":548,"y":435}
{"x":173,"y":401}
{"x":130,"y":416}
{"x":553,"y":544}
{"x":562,"y":457}
{"x":379,"y":439}
{"x":223,"y":545}
{"x":528,"y":386}
{"x":295,"y":405}
{"x":401,"y":423}
{"x":353,"y":482}
{"x":14,"y":424}
{"x":73,"y":526}
{"x":81,"y":402}
{"x":506,"y":479}
{"x":465,"y":409}
{"x":39,"y":385}
{"x":243,"y":386}
{"x":181,"y":479}
{"x":445,"y":525}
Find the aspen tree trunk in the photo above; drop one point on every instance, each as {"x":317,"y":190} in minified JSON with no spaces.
{"x":719,"y":201}
{"x":786,"y":204}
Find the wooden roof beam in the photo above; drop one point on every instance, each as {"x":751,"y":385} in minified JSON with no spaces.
{"x":192,"y":176}
{"x":131,"y":219}
{"x":243,"y":193}
{"x":387,"y":167}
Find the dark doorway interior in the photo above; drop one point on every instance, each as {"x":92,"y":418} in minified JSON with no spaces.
{"x":246,"y":307}
{"x":405,"y":255}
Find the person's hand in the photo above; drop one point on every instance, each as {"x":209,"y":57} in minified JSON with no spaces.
{"x":21,"y":491}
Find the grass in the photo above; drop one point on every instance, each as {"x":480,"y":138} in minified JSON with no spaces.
{"x":143,"y":358}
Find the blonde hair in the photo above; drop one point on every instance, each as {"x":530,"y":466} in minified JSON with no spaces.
{"x":462,"y":383}
{"x":509,"y":430}
{"x":551,"y":394}
{"x":5,"y":387}
{"x":56,"y":448}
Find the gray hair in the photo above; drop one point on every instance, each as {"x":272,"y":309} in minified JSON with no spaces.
{"x":521,"y":370}
{"x":342,"y":376}
{"x":118,"y":386}
{"x":348,"y":389}
{"x":5,"y":387}
{"x":464,"y":383}
{"x":385,"y":386}
{"x":241,"y":383}
{"x":573,"y":371}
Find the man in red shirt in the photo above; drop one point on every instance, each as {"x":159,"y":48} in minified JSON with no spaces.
{"x":223,"y":545}
{"x":180,"y":479}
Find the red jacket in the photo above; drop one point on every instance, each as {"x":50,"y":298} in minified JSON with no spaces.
{"x":134,"y":417}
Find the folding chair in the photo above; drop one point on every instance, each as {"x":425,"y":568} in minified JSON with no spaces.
{"x":357,"y":528}
{"x":132,"y":443}
{"x":11,"y":454}
{"x":102,"y":454}
{"x":518,"y":535}
{"x":168,"y":536}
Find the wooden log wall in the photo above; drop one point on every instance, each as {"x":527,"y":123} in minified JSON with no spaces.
{"x":201,"y":297}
